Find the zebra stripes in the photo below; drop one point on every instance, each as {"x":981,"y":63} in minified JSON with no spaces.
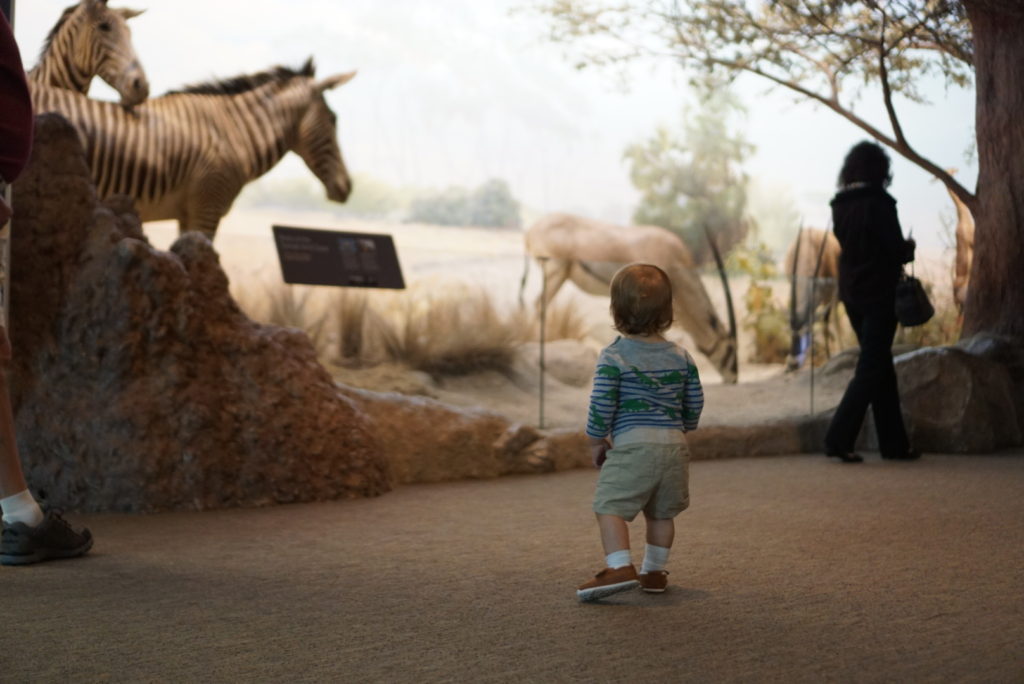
{"x":187,"y":155}
{"x":91,"y":39}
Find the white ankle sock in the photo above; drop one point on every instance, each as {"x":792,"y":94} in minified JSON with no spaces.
{"x":21,"y":507}
{"x":655,"y":558}
{"x":618,"y":559}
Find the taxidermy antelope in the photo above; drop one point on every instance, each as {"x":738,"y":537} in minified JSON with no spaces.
{"x":589,"y":252}
{"x":812,"y":262}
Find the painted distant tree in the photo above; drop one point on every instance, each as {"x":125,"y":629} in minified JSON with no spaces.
{"x":825,"y":51}
{"x":694,"y":180}
{"x":491,"y":204}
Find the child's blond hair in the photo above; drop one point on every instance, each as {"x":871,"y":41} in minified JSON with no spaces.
{"x":641,"y":300}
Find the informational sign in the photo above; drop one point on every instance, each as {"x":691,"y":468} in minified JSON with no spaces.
{"x":326,"y":257}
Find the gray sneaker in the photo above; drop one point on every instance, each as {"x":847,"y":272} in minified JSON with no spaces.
{"x":52,"y":538}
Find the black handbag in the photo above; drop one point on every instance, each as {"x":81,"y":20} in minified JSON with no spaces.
{"x":912,"y":304}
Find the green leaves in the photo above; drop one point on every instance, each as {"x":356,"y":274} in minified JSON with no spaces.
{"x":824,"y":50}
{"x":693,"y":180}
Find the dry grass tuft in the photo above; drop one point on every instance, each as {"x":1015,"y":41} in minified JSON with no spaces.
{"x":442,"y":329}
{"x":457,"y":332}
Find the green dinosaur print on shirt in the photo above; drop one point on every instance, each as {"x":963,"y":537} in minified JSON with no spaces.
{"x":673,"y":378}
{"x":608,"y":372}
{"x":596,"y":418}
{"x":644,"y":379}
{"x":635,"y":406}
{"x":691,"y":374}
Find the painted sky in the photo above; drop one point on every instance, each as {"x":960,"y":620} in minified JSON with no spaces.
{"x":453,"y":92}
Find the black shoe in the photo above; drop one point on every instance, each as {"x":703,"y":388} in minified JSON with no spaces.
{"x":845,"y":456}
{"x":52,"y":538}
{"x":908,"y":455}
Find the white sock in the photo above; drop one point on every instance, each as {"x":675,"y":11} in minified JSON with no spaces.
{"x":655,"y":558}
{"x":21,"y":507}
{"x":618,"y":559}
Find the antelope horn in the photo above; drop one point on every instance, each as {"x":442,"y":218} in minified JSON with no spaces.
{"x":522,"y":282}
{"x":728,"y":292}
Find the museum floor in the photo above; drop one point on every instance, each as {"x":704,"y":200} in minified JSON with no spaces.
{"x":789,"y":569}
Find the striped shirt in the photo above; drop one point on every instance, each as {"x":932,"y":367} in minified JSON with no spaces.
{"x":644,"y":384}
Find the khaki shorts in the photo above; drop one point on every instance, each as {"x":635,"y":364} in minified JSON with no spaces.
{"x":653,"y":478}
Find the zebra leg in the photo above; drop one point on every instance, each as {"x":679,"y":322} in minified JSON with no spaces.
{"x":203,"y":218}
{"x":207,"y":225}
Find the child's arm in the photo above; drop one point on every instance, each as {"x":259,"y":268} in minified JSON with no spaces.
{"x":601,"y":412}
{"x":693,"y":398}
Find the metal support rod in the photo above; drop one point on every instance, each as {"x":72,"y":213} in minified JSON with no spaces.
{"x":810,"y":318}
{"x":543,"y":333}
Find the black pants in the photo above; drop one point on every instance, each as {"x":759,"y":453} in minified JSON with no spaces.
{"x":874,"y":383}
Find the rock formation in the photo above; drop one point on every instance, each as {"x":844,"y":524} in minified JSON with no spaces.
{"x":139,"y":385}
{"x":957,"y":401}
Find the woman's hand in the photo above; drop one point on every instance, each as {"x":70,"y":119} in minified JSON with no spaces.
{"x":909,"y":245}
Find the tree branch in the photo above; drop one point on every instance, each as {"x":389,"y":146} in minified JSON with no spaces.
{"x":883,"y":76}
{"x":901,"y":147}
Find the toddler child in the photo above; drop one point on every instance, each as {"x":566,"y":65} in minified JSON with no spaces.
{"x":646,"y":395}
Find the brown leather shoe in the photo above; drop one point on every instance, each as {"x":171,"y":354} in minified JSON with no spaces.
{"x":608,"y":582}
{"x":654,"y":582}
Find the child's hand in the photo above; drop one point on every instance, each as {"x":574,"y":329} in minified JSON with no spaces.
{"x":598,"y":454}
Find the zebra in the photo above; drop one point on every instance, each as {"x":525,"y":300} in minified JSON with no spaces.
{"x":186,"y":155}
{"x":91,"y":39}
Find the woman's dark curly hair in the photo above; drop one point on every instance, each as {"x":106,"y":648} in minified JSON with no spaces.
{"x":866,"y":162}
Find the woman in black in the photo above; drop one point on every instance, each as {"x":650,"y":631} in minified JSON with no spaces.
{"x":874,"y":251}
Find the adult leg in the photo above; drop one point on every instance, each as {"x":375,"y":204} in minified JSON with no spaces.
{"x":12,"y":479}
{"x":885,"y":398}
{"x":29,"y":535}
{"x":841,"y":436}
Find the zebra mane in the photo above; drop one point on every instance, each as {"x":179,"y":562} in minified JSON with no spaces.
{"x":247,"y":82}
{"x":56,"y":28}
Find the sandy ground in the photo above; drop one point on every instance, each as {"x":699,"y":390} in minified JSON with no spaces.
{"x":493,"y":259}
{"x":788,"y":569}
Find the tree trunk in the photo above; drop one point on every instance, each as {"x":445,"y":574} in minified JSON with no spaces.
{"x":995,"y":297}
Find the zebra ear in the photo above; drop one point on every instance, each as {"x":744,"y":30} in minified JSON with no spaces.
{"x":334,"y":81}
{"x":127,"y":14}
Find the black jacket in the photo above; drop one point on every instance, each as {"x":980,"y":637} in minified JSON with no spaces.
{"x":874,"y":251}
